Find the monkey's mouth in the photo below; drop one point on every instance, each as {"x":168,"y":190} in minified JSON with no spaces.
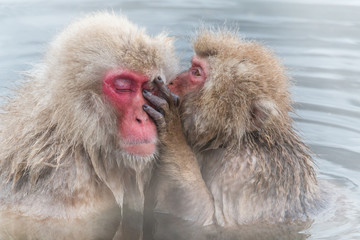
{"x":140,"y":147}
{"x":138,"y":142}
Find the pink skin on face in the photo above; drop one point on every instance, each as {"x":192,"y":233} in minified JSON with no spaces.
{"x":124,"y":88}
{"x":192,"y":79}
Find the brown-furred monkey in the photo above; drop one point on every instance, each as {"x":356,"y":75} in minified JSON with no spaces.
{"x":246,"y":163}
{"x":76,"y":148}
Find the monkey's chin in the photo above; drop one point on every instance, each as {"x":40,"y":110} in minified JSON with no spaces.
{"x":141,"y":150}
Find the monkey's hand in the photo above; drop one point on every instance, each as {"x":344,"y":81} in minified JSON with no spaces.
{"x":179,"y":187}
{"x":165,"y":113}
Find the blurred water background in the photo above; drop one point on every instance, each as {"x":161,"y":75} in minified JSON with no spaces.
{"x":318,"y":41}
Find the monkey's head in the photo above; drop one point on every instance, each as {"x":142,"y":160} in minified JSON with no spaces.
{"x":95,"y":72}
{"x":233,"y":87}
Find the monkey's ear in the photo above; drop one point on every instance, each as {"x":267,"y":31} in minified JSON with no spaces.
{"x":261,"y":112}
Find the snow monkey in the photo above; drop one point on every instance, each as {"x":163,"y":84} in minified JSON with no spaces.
{"x":77,"y":148}
{"x":241,"y":160}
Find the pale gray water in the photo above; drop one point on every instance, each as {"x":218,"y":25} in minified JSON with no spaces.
{"x":318,"y":40}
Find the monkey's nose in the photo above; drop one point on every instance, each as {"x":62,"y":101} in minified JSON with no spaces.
{"x":142,"y":118}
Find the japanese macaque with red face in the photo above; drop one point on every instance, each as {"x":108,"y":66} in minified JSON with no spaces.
{"x":230,"y":154}
{"x":77,"y":148}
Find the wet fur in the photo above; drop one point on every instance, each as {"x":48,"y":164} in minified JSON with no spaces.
{"x":60,"y":154}
{"x":252,"y":161}
{"x":261,"y":171}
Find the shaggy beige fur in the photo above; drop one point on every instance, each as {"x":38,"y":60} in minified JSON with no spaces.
{"x":60,"y":155}
{"x":266,"y":172}
{"x":252,"y":161}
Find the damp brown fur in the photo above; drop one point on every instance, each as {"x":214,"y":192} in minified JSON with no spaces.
{"x":60,"y":153}
{"x":252,"y":161}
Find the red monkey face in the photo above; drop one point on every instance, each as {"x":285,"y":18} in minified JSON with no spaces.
{"x":124,"y":90}
{"x":192,"y":79}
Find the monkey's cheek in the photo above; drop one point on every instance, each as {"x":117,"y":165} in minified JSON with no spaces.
{"x":143,"y":150}
{"x":174,"y":88}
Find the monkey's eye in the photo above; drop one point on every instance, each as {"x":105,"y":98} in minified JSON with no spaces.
{"x":122,"y":85}
{"x":196,"y":72}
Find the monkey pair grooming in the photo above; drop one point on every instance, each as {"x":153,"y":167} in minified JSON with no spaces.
{"x":236,"y":159}
{"x":77,"y":148}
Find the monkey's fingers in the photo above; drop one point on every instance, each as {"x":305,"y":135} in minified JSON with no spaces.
{"x":156,"y":116}
{"x":161,"y":105}
{"x":170,"y":97}
{"x":176,"y":99}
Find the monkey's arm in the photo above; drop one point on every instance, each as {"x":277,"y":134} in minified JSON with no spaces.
{"x":179,"y":187}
